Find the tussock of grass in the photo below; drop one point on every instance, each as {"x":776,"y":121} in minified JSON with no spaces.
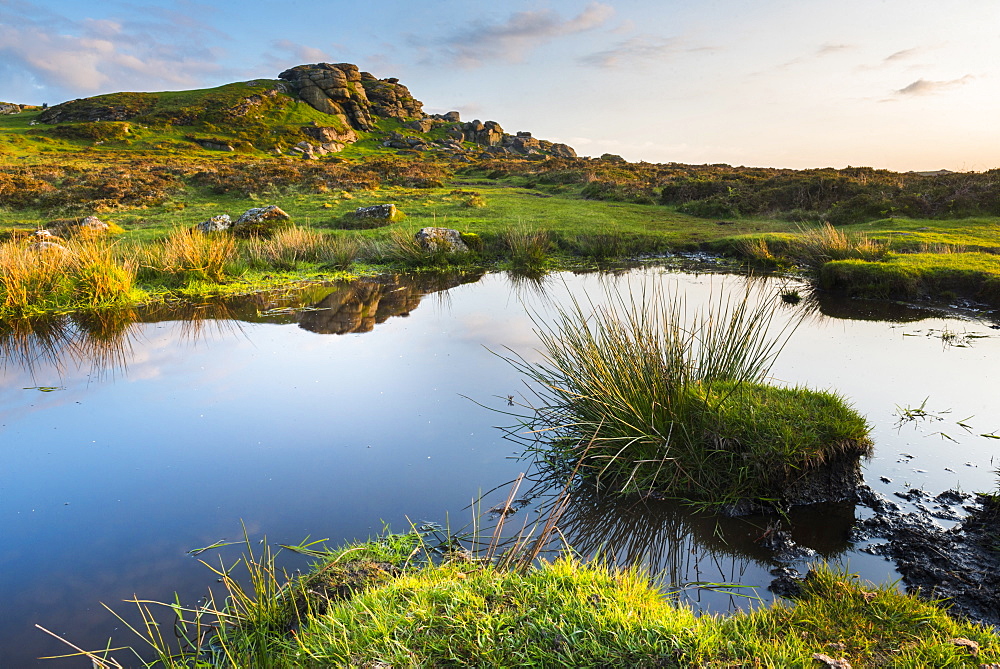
{"x":652,"y":397}
{"x":196,"y":255}
{"x":81,"y":274}
{"x":816,"y":246}
{"x":527,"y":248}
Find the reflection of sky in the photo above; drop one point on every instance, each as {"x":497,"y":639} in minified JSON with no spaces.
{"x":106,"y":483}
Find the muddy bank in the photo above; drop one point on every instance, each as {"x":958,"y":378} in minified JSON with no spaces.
{"x":960,"y":564}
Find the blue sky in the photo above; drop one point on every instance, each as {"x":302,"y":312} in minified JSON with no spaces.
{"x":900,"y":84}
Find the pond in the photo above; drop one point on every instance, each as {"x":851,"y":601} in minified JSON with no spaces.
{"x":335,"y":411}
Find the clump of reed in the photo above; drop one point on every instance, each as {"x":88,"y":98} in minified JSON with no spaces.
{"x":527,"y":248}
{"x":286,"y":249}
{"x":814,"y":247}
{"x":651,"y":396}
{"x":45,"y":277}
{"x":194,"y":255}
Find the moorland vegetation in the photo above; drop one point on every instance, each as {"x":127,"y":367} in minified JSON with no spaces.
{"x":155,"y":165}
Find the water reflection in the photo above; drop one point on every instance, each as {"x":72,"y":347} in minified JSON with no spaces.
{"x":103,"y":340}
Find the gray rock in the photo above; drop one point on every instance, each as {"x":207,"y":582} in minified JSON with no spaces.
{"x":215,"y":145}
{"x":383,"y":211}
{"x":329,"y":134}
{"x":445,"y":239}
{"x":92,"y":224}
{"x":48,"y":247}
{"x":260,"y":222}
{"x":215,"y":224}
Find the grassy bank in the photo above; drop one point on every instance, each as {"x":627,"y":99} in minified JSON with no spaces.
{"x":372,"y":605}
{"x":527,"y":214}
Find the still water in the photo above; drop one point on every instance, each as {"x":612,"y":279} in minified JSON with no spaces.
{"x":332,"y":412}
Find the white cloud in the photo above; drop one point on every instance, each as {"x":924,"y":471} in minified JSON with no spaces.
{"x":635,"y":49}
{"x":100,"y":55}
{"x":512,"y":39}
{"x":925,"y":87}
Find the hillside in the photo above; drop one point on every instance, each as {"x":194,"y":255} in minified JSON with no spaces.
{"x":309,"y":110}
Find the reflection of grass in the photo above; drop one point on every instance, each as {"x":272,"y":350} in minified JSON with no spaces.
{"x":653,"y":398}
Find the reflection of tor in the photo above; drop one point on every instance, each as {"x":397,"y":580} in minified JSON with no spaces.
{"x":362,"y":304}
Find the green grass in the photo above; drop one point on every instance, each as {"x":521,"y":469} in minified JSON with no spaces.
{"x":371,"y":605}
{"x":649,"y":396}
{"x":917,"y":275}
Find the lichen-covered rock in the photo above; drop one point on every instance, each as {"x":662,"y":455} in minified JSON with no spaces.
{"x":441,"y":239}
{"x":333,"y":89}
{"x":391,"y":99}
{"x":49,"y":247}
{"x":93,"y":224}
{"x":378,"y":211}
{"x":261,"y":222}
{"x":328,"y":134}
{"x":215,"y":224}
{"x":215,"y":145}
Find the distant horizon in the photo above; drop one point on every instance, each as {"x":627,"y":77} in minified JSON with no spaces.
{"x":897,"y":85}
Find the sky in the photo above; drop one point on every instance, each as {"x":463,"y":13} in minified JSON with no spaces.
{"x":896,"y":84}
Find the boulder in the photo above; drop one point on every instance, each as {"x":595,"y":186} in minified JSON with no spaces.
{"x":260,"y":222}
{"x":420,"y":125}
{"x":333,"y":89}
{"x":215,"y":224}
{"x":49,"y":247}
{"x":329,"y":134}
{"x":10,"y":108}
{"x":562,"y":150}
{"x":306,"y":150}
{"x":391,"y":99}
{"x":215,"y":145}
{"x":386,"y":212}
{"x":487,"y":134}
{"x":441,"y":239}
{"x":93,"y":226}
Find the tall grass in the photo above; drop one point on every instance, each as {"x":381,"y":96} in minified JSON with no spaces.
{"x":82,"y":274}
{"x":528,"y":248}
{"x":194,"y":254}
{"x":815,"y":246}
{"x":287,"y":248}
{"x":655,"y":396}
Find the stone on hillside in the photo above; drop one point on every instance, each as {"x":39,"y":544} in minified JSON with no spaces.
{"x":94,"y":225}
{"x":215,"y":145}
{"x":328,"y":134}
{"x":391,"y":99}
{"x":306,"y":150}
{"x":420,"y":125}
{"x":386,"y":212}
{"x":41,"y":236}
{"x":10,"y":108}
{"x":49,"y":247}
{"x":451,"y":116}
{"x":260,"y":222}
{"x":487,"y":134}
{"x":562,"y":150}
{"x":443,"y":239}
{"x":333,"y":89}
{"x":215,"y":224}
